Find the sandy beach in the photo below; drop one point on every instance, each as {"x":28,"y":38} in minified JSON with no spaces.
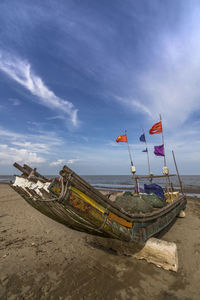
{"x":42,"y":259}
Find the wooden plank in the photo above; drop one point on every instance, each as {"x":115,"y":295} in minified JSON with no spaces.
{"x":120,"y":220}
{"x":153,"y":176}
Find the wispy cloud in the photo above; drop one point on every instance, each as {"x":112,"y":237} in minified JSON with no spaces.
{"x":46,"y":138}
{"x":14,"y":101}
{"x":135,"y":105}
{"x":171,"y":85}
{"x":20,"y":71}
{"x":55,"y":118}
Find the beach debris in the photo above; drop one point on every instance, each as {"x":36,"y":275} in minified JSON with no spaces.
{"x":5,"y":255}
{"x":161,"y":253}
{"x":182,"y":214}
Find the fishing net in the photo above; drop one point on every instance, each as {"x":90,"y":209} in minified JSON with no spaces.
{"x":154,"y":200}
{"x":142,"y":203}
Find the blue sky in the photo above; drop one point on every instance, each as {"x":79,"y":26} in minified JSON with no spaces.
{"x":75,"y":74}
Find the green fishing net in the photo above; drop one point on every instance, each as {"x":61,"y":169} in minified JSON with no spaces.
{"x":154,"y":200}
{"x":142,"y":203}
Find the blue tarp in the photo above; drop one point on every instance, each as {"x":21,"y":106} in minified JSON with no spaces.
{"x":155,"y":189}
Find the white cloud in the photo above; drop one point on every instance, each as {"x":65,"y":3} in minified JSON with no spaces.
{"x":57,"y":162}
{"x":20,"y":71}
{"x":9,"y":155}
{"x":72,"y":161}
{"x":26,"y":148}
{"x":61,"y":161}
{"x":35,"y":147}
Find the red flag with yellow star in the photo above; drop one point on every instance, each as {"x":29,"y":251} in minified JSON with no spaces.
{"x":122,"y":138}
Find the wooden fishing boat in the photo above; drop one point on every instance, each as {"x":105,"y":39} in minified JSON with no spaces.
{"x":70,"y":200}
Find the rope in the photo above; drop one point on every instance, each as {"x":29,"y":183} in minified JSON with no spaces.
{"x":62,"y":189}
{"x":63,"y":192}
{"x":46,"y":200}
{"x":105,"y":220}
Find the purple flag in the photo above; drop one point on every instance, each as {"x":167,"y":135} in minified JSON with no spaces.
{"x":159,"y":150}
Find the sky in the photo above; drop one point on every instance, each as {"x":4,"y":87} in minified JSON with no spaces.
{"x":74,"y":75}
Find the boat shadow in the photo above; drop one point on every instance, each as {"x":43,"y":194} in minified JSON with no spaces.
{"x":117,"y":247}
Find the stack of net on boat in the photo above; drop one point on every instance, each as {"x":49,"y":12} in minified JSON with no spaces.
{"x":139,"y":203}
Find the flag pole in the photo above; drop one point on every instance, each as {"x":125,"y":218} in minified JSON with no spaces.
{"x":129,"y":150}
{"x":132,"y":167}
{"x":147,"y":154}
{"x":165,"y":169}
{"x":165,"y":164}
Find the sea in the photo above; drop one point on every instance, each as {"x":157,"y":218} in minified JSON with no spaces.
{"x":125,"y":182}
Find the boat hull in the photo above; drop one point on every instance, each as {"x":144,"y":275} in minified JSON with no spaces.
{"x":80,"y":212}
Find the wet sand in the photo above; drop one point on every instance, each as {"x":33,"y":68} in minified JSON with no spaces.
{"x":42,"y":259}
